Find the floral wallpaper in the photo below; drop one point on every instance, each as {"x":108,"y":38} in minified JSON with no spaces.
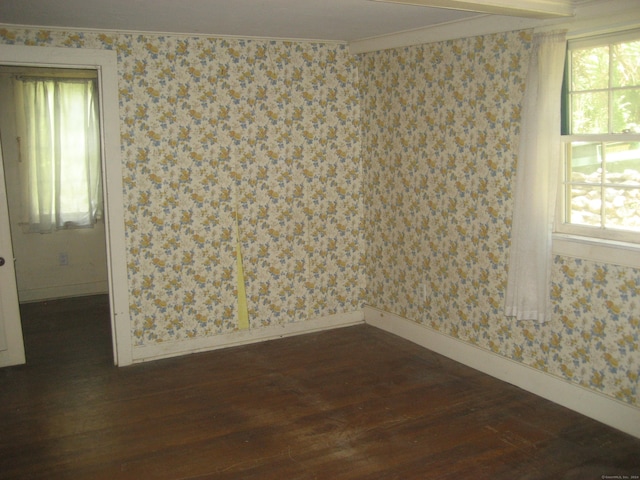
{"x":383,"y":179}
{"x":214,"y":130}
{"x":440,"y":137}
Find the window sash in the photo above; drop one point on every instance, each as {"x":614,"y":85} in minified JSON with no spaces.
{"x":568,"y":93}
{"x":563,"y":211}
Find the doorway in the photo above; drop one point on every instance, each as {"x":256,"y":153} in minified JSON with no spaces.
{"x":57,"y":262}
{"x":105,"y":64}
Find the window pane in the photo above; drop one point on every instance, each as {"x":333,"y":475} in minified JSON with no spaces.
{"x":590,"y":68}
{"x":586,"y":162}
{"x":623,"y":163}
{"x":589,"y":112}
{"x":626,"y":68}
{"x":622,"y":208}
{"x":585,"y":206}
{"x":626,"y":110}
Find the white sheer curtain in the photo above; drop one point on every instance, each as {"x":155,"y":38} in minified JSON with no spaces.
{"x":539,"y":164}
{"x":60,"y":153}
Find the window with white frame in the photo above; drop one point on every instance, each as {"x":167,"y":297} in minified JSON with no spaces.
{"x":601,"y":132}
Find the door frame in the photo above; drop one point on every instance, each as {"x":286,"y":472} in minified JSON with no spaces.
{"x":105,"y":62}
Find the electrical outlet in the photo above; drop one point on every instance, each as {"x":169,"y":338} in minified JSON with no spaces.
{"x":63,"y":258}
{"x":423,"y":291}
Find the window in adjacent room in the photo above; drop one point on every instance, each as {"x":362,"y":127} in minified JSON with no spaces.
{"x":59,"y":140}
{"x":601,"y":132}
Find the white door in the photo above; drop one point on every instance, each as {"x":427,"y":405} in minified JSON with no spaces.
{"x":11,"y":344}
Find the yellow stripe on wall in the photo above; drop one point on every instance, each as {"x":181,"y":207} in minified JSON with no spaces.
{"x":243,"y":311}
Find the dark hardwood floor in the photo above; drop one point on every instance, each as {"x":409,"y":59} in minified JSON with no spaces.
{"x":344,"y":404}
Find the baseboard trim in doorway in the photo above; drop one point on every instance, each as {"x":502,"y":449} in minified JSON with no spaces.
{"x":271,"y":332}
{"x":63,"y":291}
{"x":590,"y":403}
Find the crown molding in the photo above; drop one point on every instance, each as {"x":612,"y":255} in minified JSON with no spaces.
{"x":523,"y":8}
{"x":590,"y":16}
{"x":480,"y":25}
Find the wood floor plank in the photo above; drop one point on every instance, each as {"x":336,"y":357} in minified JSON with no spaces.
{"x":344,"y":404}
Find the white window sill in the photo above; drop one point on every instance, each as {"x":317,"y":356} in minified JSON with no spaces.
{"x":605,"y":251}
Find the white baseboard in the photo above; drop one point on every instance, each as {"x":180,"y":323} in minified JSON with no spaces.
{"x":592,"y":404}
{"x":272,"y":332}
{"x":63,"y":291}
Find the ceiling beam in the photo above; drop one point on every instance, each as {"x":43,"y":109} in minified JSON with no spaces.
{"x":541,"y":9}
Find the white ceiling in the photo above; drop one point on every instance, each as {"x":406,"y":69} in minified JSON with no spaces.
{"x":335,"y":20}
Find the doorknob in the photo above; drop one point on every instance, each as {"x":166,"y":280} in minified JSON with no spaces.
{"x":1,"y":261}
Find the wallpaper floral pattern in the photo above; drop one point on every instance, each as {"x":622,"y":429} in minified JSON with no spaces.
{"x":391,"y":171}
{"x":440,"y":138}
{"x":217,"y":129}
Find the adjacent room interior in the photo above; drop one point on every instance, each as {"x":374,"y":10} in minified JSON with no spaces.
{"x":289,"y":187}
